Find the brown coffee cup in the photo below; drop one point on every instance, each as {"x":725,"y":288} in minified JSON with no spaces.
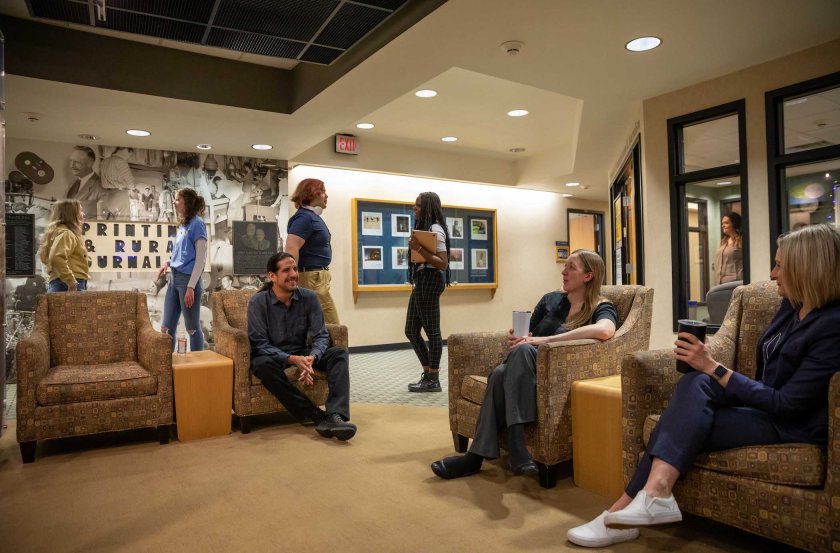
{"x":698,"y":329}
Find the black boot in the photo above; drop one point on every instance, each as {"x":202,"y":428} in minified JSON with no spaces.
{"x":428,"y":382}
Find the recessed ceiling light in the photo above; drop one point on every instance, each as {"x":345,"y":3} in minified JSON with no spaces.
{"x":572,"y":184}
{"x":450,"y":138}
{"x":137,"y":132}
{"x":518,"y":112}
{"x":204,"y":146}
{"x":88,"y":137}
{"x":426,"y":93}
{"x":724,"y":183}
{"x":517,"y":150}
{"x":643,"y":44}
{"x":364,"y":125}
{"x":567,"y":195}
{"x":262,"y":146}
{"x":828,"y":175}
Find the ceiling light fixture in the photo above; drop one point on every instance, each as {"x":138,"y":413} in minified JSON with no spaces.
{"x":572,"y":184}
{"x":138,"y":132}
{"x":426,"y":93}
{"x":567,"y":195}
{"x":88,"y":137}
{"x":204,"y":146}
{"x":518,"y":112}
{"x":517,"y":150}
{"x":643,"y":44}
{"x":450,"y":138}
{"x":724,"y":183}
{"x":364,"y":125}
{"x":262,"y":146}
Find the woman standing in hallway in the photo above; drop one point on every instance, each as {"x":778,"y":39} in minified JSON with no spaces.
{"x":189,"y":255}
{"x":714,"y":408}
{"x":729,"y":259}
{"x":428,"y":280}
{"x":309,"y":243}
{"x":578,"y":312}
{"x":62,"y":250}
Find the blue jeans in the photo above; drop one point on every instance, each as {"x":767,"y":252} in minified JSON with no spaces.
{"x":174,"y":305}
{"x":58,"y":285}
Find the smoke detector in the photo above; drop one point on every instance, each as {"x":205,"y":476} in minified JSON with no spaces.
{"x":512,"y":47}
{"x":32,"y":117}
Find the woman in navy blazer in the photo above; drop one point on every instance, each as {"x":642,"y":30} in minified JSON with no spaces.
{"x":714,"y":408}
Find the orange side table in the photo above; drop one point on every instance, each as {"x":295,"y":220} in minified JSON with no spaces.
{"x":203,"y":394}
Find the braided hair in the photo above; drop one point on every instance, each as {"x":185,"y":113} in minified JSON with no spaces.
{"x":430,"y":213}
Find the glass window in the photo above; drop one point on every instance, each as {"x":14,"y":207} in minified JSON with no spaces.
{"x":812,"y":192}
{"x":710,"y":143}
{"x":811,"y":121}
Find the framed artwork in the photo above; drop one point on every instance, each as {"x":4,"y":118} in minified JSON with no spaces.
{"x":478,"y":261}
{"x":400,"y":225}
{"x":478,"y":229}
{"x":372,"y":257}
{"x":456,"y":259}
{"x":371,"y":223}
{"x":399,"y":257}
{"x":456,"y":227}
{"x":253,"y":243}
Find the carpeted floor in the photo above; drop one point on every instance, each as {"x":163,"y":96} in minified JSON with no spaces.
{"x":283,"y":488}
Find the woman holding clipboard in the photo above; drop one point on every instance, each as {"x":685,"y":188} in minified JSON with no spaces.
{"x":428,"y":273}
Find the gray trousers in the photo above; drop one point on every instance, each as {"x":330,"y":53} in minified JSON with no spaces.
{"x":511,"y":398}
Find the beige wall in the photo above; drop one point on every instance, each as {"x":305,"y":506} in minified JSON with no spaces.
{"x":528,"y":223}
{"x":750,"y":84}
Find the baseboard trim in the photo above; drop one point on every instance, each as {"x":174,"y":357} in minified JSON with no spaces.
{"x":382,"y":347}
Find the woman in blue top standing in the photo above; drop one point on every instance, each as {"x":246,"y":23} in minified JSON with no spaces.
{"x":187,"y":263}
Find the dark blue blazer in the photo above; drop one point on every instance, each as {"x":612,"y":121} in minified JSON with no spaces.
{"x":795,"y":382}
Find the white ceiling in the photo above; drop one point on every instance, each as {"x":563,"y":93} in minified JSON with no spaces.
{"x":582,"y":88}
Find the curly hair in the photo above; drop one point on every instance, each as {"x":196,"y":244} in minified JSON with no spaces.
{"x":193,"y":203}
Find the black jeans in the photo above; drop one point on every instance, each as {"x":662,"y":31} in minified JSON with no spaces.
{"x":335,"y":363}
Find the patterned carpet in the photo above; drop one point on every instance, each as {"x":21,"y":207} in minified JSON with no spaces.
{"x":374,"y":378}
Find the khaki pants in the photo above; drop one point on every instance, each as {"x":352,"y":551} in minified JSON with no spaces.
{"x":319,"y":282}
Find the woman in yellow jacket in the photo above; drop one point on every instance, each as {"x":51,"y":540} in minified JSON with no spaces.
{"x":62,"y":250}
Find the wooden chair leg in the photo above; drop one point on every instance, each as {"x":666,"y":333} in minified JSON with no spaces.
{"x":460,"y":442}
{"x":164,"y":431}
{"x":27,"y":452}
{"x":244,"y":425}
{"x":548,"y":475}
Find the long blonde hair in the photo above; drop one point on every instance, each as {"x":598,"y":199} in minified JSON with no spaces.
{"x":63,"y":212}
{"x":592,"y":263}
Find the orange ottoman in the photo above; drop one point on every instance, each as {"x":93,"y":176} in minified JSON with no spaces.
{"x":203,"y":394}
{"x":596,"y":435}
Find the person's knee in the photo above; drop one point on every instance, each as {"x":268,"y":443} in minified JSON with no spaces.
{"x":498,"y":373}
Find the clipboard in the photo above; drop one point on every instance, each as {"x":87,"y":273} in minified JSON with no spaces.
{"x":428,"y":240}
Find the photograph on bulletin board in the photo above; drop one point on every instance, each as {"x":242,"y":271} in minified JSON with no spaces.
{"x":381,"y":230}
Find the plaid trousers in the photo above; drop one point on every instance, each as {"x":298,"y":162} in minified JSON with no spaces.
{"x":424,"y":312}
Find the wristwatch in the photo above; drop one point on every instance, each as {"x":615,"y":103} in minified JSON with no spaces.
{"x":719,"y":372}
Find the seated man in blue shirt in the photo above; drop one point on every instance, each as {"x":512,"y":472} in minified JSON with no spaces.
{"x":286,"y":328}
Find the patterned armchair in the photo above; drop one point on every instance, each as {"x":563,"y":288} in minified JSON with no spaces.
{"x":473,"y":355}
{"x":230,"y":329}
{"x":92,"y":364}
{"x":782,"y":492}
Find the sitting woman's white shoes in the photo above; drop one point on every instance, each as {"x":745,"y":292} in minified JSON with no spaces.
{"x":645,"y":510}
{"x":595,"y":534}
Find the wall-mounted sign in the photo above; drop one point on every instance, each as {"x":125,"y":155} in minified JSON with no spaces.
{"x":20,"y":244}
{"x":346,"y":144}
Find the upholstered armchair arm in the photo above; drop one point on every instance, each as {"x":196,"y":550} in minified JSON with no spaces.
{"x":338,"y":336}
{"x":648,"y":379}
{"x":472,"y":353}
{"x":154,"y":353}
{"x":33,"y":362}
{"x":233,"y":343}
{"x":832,"y":481}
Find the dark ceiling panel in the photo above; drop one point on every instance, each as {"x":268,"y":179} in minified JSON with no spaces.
{"x":254,"y":44}
{"x":349,"y":25}
{"x":152,"y":26}
{"x":73,"y":12}
{"x":293,"y":19}
{"x":320,"y":54}
{"x":198,"y":11}
{"x":387,"y":4}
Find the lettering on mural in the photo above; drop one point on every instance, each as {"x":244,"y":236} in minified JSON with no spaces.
{"x":123,"y":246}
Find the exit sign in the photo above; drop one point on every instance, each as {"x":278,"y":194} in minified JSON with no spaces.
{"x":346,"y":144}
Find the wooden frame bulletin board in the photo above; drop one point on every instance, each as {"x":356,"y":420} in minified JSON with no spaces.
{"x":381,"y":230}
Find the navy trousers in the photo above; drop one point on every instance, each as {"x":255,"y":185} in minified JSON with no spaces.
{"x":700,"y":418}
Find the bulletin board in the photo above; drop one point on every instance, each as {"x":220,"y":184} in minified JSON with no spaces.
{"x":381,"y":230}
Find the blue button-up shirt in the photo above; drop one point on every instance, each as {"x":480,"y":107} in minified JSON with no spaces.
{"x":281,"y":331}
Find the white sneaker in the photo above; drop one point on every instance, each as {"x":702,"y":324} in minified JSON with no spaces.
{"x":595,"y":534}
{"x":645,"y":511}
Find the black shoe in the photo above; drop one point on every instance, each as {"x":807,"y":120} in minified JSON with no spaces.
{"x":456,"y":467}
{"x":528,"y":468}
{"x":315,"y":417}
{"x":427,"y":383}
{"x":334,"y":426}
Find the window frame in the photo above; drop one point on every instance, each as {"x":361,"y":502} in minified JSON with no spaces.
{"x":635,"y":154}
{"x":777,"y":160}
{"x":677,"y":182}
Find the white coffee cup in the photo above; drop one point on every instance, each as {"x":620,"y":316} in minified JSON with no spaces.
{"x":521,"y":322}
